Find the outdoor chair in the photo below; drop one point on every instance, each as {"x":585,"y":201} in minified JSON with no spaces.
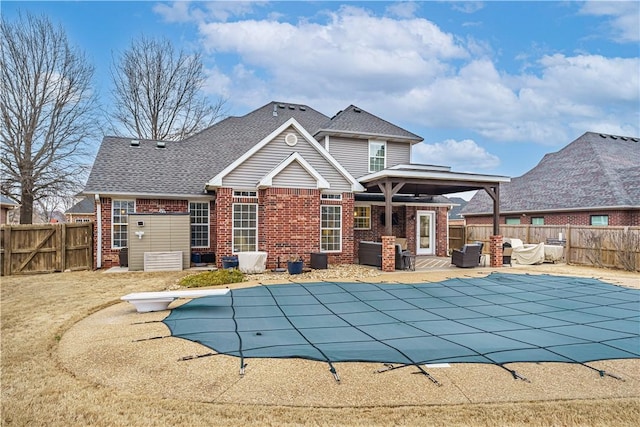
{"x":468,"y":256}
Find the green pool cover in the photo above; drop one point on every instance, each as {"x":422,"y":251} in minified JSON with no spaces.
{"x":497,"y":319}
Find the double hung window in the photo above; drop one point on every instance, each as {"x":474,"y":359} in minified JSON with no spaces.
{"x":199,"y":212}
{"x":245,"y":227}
{"x":120,"y":210}
{"x":330,"y":228}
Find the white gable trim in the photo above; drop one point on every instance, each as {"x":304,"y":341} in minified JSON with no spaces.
{"x":216,"y":181}
{"x":267,"y":180}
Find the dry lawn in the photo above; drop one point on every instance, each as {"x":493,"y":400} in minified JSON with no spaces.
{"x":69,"y":359}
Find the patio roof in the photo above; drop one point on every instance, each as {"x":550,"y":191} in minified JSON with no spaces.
{"x":431,"y":180}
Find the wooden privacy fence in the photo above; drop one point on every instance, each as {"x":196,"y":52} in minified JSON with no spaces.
{"x":46,"y":248}
{"x":611,"y":247}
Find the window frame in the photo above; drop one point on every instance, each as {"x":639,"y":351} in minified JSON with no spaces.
{"x":234,"y":228}
{"x":373,"y":155}
{"x":511,"y":221}
{"x":324,"y":245}
{"x":251,"y":194}
{"x":206,"y":225}
{"x":117,"y":204}
{"x":357,"y":217}
{"x":537,"y":220}
{"x":601,"y":217}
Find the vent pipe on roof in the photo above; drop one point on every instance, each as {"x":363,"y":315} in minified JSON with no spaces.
{"x":275,"y":112}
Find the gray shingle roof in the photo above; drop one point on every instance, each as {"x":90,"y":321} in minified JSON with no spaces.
{"x":355,"y":120}
{"x":5,"y":201}
{"x":595,"y":170}
{"x":84,"y":206}
{"x":183,"y":167}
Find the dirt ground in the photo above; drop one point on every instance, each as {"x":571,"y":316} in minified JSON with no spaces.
{"x":74,"y":354}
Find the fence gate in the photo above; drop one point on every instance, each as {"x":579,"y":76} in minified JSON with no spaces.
{"x":46,"y":248}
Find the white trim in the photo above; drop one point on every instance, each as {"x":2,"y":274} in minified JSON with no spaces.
{"x":267,"y":180}
{"x":120,"y":223}
{"x":341,"y":227}
{"x":99,"y":227}
{"x":153,"y":196}
{"x":432,"y":232}
{"x":432,"y":174}
{"x":208,"y":223}
{"x":326,"y":142}
{"x":233,"y":227}
{"x":216,"y":181}
{"x":421,"y":167}
{"x":384,"y":145}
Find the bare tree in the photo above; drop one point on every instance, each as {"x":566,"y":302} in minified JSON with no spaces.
{"x":158,"y":92}
{"x":47,"y":107}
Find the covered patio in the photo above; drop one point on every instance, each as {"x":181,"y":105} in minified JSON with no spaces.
{"x":428,"y":180}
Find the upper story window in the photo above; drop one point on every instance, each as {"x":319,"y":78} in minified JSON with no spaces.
{"x":599,"y":220}
{"x":377,"y":155}
{"x":120,"y":210}
{"x":199,"y":212}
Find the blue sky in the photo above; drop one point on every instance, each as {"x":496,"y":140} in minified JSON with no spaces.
{"x":491,"y":86}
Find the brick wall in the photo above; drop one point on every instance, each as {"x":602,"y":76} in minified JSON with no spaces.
{"x":111,"y":257}
{"x":288,"y":224}
{"x":406,"y":227}
{"x":616,"y":218}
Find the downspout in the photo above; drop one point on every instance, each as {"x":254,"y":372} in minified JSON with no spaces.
{"x":99,"y":233}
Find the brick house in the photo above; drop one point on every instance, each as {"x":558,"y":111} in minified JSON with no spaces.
{"x":284,"y":179}
{"x":82,"y":211}
{"x":6,"y":205}
{"x":595,"y":180}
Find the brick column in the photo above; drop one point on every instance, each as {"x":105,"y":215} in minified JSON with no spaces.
{"x":495,"y":247}
{"x":388,"y":253}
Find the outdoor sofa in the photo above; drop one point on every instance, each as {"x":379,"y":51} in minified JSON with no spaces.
{"x":370,"y":253}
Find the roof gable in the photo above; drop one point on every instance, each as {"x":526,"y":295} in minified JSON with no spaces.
{"x":354,"y":121}
{"x":594,"y":171}
{"x":218,"y":180}
{"x":294,"y":158}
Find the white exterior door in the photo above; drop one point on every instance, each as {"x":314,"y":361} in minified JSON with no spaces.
{"x":425,"y":233}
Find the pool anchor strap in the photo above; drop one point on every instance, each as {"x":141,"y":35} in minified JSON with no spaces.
{"x":422,"y":371}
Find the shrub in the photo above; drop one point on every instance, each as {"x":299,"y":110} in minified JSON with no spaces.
{"x":212,"y":278}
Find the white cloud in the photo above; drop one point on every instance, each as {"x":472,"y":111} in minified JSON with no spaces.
{"x":462,"y":156}
{"x":624,"y":24}
{"x":409,"y":71}
{"x":405,"y":9}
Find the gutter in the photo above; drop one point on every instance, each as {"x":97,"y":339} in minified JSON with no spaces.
{"x":99,"y":234}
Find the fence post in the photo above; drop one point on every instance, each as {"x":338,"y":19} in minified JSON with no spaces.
{"x":568,"y":245}
{"x":6,"y":262}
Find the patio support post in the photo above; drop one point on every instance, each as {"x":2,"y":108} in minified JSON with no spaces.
{"x":388,"y":262}
{"x":388,"y":190}
{"x":495,"y":244}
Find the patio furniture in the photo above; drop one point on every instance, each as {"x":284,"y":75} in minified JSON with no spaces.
{"x":528,"y":254}
{"x":370,"y":253}
{"x":468,"y":256}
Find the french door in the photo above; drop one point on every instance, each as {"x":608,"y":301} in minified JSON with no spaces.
{"x":425,"y":232}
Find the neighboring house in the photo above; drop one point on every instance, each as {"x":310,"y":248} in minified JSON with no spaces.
{"x":284,"y":179}
{"x":6,"y":204}
{"x":83,"y":211}
{"x":455,"y":213}
{"x":595,"y":180}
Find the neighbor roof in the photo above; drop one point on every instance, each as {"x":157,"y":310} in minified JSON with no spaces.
{"x":7,"y":202}
{"x":84,"y":206}
{"x":594,"y":171}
